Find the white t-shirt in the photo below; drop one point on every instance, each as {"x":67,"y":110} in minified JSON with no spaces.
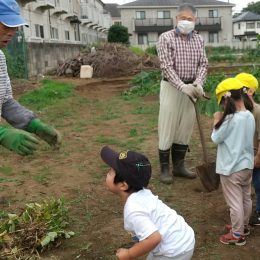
{"x":144,"y":214}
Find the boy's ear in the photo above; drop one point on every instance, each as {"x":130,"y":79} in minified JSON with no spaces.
{"x":124,"y":186}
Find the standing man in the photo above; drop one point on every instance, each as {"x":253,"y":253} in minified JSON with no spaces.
{"x":184,"y":64}
{"x":18,"y":139}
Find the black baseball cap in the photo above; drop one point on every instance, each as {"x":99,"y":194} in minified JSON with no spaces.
{"x":134,"y":167}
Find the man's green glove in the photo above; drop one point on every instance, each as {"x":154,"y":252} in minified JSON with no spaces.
{"x":18,"y":141}
{"x":45,"y":132}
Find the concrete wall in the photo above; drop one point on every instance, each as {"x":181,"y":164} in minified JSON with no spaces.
{"x":45,"y":57}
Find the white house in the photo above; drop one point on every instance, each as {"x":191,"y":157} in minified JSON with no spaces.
{"x":147,"y":19}
{"x":246,"y":26}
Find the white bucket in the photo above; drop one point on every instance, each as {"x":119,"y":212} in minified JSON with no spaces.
{"x":86,"y":71}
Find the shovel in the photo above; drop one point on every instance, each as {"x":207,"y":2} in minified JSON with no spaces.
{"x":207,"y":171}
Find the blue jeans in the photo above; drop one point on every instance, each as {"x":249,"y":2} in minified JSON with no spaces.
{"x":256,"y":182}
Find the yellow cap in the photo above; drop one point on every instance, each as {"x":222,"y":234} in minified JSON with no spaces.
{"x":225,"y":85}
{"x":248,"y":80}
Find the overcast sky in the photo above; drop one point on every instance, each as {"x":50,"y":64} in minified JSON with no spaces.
{"x":240,"y":4}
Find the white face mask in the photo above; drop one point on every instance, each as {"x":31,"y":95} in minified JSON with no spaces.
{"x":185,"y":26}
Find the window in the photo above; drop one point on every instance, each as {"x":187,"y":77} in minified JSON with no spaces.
{"x":39,"y":31}
{"x":258,"y":25}
{"x":140,"y":15}
{"x":54,"y":33}
{"x":250,"y":25}
{"x":238,"y":25}
{"x":118,"y":23}
{"x":213,"y":13}
{"x":142,"y":39}
{"x":213,"y":37}
{"x":67,"y":35}
{"x":163,"y":14}
{"x":77,"y":33}
{"x":84,"y":37}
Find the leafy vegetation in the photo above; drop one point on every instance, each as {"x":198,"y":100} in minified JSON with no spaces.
{"x":118,"y":33}
{"x":148,"y":83}
{"x":48,"y":94}
{"x":145,"y":83}
{"x":37,"y":228}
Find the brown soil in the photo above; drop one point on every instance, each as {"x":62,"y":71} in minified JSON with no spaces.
{"x":77,"y":174}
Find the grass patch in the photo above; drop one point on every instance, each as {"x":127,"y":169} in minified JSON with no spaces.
{"x":107,"y":140}
{"x":6,"y":170}
{"x":48,"y":94}
{"x":42,"y":179}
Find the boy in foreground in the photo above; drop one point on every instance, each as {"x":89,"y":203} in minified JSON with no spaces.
{"x":161,"y":232}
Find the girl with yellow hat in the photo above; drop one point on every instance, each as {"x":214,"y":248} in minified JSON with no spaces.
{"x":251,"y":83}
{"x":233,"y":133}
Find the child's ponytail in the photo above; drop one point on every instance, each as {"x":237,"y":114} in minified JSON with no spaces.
{"x":229,"y":104}
{"x":247,"y":101}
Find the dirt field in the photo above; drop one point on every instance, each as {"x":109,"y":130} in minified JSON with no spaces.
{"x":98,"y":115}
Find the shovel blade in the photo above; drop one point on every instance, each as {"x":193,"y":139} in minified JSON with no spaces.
{"x":208,"y":176}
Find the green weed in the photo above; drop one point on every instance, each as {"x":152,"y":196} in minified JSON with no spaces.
{"x":34,"y":230}
{"x":42,"y":179}
{"x":107,"y":140}
{"x":6,"y":170}
{"x":133,"y":132}
{"x":137,"y":51}
{"x":48,"y":94}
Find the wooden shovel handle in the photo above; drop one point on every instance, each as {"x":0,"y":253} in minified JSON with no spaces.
{"x":202,"y":138}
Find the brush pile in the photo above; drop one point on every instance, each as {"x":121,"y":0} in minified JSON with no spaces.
{"x":109,"y":60}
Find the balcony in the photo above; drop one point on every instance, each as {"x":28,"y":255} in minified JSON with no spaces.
{"x":209,"y":24}
{"x":24,"y":2}
{"x":44,"y":4}
{"x":59,"y":10}
{"x":153,"y":25}
{"x":85,"y":20}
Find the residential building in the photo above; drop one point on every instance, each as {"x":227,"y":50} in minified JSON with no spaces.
{"x":246,"y":26}
{"x":147,"y":19}
{"x":58,"y":29}
{"x":114,"y":12}
{"x":65,"y":21}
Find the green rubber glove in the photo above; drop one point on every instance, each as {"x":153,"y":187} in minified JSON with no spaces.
{"x":45,"y":132}
{"x":18,"y":141}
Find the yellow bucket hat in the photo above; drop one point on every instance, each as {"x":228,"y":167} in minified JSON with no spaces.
{"x":248,"y":80}
{"x":226,"y":85}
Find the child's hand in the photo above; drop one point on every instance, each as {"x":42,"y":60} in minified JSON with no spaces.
{"x":122,"y":254}
{"x":217,"y":116}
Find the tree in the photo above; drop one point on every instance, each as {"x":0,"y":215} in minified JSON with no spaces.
{"x":118,"y":33}
{"x":253,"y":7}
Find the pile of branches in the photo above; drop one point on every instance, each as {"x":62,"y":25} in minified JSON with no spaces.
{"x":109,"y":60}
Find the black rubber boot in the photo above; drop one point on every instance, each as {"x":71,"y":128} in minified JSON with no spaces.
{"x":165,"y":176}
{"x":178,"y":155}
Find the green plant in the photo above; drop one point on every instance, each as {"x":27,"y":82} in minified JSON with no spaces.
{"x":118,"y":33}
{"x":38,"y":227}
{"x":151,"y":50}
{"x":145,"y":83}
{"x":48,"y":94}
{"x":136,"y":50}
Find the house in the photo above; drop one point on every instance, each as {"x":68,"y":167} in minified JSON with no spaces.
{"x":114,"y":12}
{"x":246,"y":26}
{"x":147,"y":19}
{"x":58,"y":29}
